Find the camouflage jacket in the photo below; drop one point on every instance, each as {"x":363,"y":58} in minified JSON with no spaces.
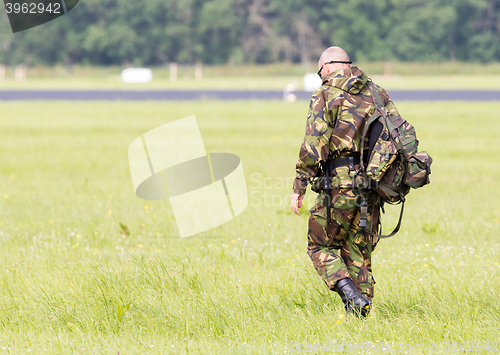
{"x":337,"y":115}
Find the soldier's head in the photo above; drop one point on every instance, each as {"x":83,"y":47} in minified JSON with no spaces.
{"x":332,"y":59}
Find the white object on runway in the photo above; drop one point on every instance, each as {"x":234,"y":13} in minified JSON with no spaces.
{"x":137,"y":76}
{"x":311,"y":82}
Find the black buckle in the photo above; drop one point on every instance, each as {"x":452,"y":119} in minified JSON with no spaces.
{"x":327,"y":182}
{"x":351,"y":168}
{"x":363,"y":221}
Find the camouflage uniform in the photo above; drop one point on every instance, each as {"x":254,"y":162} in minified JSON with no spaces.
{"x":337,"y":115}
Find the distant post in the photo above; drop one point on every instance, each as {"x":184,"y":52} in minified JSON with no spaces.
{"x":173,"y":71}
{"x":198,"y":73}
{"x":2,"y":71}
{"x":20,"y":72}
{"x":387,"y":68}
{"x":288,"y":93}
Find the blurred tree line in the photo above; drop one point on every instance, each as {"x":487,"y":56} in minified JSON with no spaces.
{"x":154,"y":32}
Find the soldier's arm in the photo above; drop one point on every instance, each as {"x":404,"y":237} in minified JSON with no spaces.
{"x":315,"y":146}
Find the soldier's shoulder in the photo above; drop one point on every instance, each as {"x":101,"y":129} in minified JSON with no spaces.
{"x":326,"y":92}
{"x":319,"y":91}
{"x":379,"y":88}
{"x":318,"y":96}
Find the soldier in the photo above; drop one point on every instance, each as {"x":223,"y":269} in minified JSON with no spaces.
{"x":340,"y":250}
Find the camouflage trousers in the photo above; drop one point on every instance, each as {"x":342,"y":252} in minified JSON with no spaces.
{"x":341,"y":248}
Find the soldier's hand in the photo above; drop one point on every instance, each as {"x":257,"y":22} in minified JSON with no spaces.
{"x":296,"y":200}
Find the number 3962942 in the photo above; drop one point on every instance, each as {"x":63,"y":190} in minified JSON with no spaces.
{"x":33,"y":8}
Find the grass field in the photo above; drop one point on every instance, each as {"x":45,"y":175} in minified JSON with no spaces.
{"x":418,"y":76}
{"x":74,"y":281}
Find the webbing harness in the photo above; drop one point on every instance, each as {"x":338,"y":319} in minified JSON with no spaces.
{"x":329,"y":166}
{"x":358,"y":158}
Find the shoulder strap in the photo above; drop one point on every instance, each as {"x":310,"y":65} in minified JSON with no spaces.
{"x":375,"y":95}
{"x":379,"y":112}
{"x":375,"y":116}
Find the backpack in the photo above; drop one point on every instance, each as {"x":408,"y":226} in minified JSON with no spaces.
{"x":392,"y":165}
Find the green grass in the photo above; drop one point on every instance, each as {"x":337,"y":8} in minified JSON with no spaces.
{"x":419,"y":76}
{"x":73,"y":281}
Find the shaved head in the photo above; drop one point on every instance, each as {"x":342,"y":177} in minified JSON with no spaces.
{"x":333,"y":53}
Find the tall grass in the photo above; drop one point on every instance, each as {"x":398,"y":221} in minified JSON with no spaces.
{"x":90,"y":268}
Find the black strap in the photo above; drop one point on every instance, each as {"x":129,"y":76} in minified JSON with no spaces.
{"x":395,"y":229}
{"x":338,"y":61}
{"x":331,"y":62}
{"x":328,"y":205}
{"x":337,"y":163}
{"x":363,"y":210}
{"x":328,"y":167}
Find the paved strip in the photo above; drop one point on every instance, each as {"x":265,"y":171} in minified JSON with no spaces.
{"x":188,"y":95}
{"x":441,"y":95}
{"x":140,"y":95}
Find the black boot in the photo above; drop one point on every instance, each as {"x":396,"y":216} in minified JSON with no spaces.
{"x":355,"y":303}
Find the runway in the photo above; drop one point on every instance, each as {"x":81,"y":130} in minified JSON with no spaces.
{"x":226,"y":95}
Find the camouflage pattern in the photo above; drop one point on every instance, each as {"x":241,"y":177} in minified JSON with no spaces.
{"x":394,"y":179}
{"x":342,"y":249}
{"x":417,"y":174}
{"x":409,"y":168}
{"x":383,"y":155}
{"x":407,"y":138}
{"x":337,"y":114}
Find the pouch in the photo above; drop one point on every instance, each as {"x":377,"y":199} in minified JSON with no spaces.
{"x":418,"y":170}
{"x":383,"y":155}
